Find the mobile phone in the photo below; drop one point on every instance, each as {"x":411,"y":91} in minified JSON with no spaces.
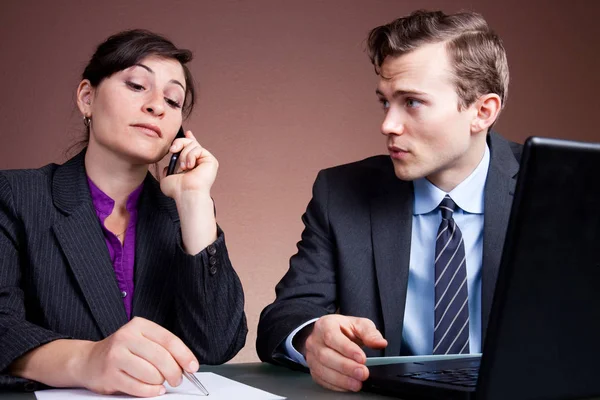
{"x":175,"y":157}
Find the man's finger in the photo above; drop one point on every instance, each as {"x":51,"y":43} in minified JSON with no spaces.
{"x":338,"y":362}
{"x":331,"y":335}
{"x":364,"y":329}
{"x":332,"y":378}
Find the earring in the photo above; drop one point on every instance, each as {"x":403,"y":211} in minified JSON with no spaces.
{"x":86,"y":120}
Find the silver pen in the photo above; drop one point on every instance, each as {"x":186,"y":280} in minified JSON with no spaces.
{"x":192,"y":378}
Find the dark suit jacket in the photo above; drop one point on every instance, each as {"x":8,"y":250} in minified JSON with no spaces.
{"x":57,"y":279}
{"x":355,"y":249}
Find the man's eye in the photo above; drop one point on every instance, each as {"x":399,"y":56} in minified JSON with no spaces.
{"x":384,"y":104}
{"x":413,"y":103}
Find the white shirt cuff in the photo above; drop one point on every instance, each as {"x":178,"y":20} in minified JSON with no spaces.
{"x":292,"y":353}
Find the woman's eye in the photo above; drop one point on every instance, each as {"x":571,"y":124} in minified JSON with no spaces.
{"x":172,"y":103}
{"x":135,"y":86}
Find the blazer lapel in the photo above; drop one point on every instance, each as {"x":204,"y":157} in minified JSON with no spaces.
{"x":80,"y":236}
{"x":391,"y":225}
{"x":499,"y":191}
{"x":157,"y":224}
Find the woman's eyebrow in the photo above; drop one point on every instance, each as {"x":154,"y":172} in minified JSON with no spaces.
{"x":147,"y":68}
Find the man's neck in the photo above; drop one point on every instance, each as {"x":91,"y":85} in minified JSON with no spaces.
{"x":455,"y":173}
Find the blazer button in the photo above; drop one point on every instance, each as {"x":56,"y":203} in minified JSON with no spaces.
{"x":30,"y":387}
{"x":211,"y":250}
{"x":212,"y":261}
{"x":213,"y":270}
{"x":123,"y":294}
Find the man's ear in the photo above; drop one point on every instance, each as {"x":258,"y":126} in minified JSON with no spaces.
{"x":487,"y":108}
{"x":85,"y":97}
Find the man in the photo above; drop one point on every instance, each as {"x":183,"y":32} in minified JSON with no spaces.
{"x":398,"y":247}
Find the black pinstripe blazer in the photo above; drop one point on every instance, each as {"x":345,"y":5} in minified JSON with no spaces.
{"x":57,"y":280}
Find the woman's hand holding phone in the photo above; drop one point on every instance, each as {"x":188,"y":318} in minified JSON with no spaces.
{"x":190,"y":188}
{"x":196,"y":168}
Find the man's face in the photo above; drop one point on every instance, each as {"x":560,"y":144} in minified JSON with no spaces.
{"x":427,"y":135}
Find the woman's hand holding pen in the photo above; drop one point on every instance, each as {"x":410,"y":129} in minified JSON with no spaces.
{"x":135,"y":360}
{"x":191,"y":191}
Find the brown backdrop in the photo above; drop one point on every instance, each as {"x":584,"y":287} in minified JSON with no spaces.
{"x":286,"y":89}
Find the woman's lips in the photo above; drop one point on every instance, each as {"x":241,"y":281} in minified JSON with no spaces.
{"x":149,"y":129}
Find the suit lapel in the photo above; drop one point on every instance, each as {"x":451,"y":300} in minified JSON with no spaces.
{"x":80,"y":236}
{"x":499,"y":191}
{"x":391,"y":225}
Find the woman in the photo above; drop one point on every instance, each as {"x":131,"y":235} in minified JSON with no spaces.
{"x":108,"y":279}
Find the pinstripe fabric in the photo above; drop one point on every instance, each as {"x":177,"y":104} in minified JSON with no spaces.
{"x":56,"y":279}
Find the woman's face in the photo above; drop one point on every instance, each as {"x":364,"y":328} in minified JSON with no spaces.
{"x":136,"y":112}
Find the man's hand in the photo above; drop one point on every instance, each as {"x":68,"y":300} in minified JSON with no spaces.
{"x":333,"y":354}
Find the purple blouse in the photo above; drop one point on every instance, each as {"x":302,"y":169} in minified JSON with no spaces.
{"x":121,"y":256}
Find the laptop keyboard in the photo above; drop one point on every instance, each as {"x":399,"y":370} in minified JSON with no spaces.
{"x":461,"y":377}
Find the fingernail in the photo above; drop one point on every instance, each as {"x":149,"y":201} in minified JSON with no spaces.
{"x":358,"y":374}
{"x":354,"y":385}
{"x":358,"y":358}
{"x":183,"y":164}
{"x":162,"y":391}
{"x":193,"y":367}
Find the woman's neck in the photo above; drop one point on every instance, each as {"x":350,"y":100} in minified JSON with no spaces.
{"x":112,"y":174}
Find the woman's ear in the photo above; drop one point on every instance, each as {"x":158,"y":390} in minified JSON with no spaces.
{"x":85,"y":97}
{"x":487,"y":109}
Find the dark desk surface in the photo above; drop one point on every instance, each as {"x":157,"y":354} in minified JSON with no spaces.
{"x":277,"y":380}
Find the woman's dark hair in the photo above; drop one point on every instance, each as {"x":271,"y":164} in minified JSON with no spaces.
{"x":127,"y":48}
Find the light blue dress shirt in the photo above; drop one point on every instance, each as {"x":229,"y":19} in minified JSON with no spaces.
{"x":419,"y":315}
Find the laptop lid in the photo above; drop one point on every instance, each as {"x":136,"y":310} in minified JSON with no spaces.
{"x":544,"y":330}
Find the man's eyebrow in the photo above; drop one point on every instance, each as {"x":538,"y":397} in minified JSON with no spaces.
{"x":401,"y":92}
{"x":147,"y":68}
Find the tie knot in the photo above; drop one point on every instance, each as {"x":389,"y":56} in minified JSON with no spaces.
{"x":447,"y":207}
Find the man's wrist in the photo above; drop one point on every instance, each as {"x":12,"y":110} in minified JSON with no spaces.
{"x":299,"y":340}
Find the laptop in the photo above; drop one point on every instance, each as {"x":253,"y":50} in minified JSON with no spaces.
{"x":543,"y":337}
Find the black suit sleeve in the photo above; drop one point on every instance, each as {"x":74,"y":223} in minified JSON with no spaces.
{"x":209,"y":304}
{"x":308,"y":289}
{"x":17,"y":335}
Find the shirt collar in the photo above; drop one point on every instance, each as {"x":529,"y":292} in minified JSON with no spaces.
{"x":468,"y":195}
{"x":104,"y":204}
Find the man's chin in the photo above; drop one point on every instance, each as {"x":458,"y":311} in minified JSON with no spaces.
{"x":405,"y":174}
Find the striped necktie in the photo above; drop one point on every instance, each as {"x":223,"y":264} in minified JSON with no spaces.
{"x":451,"y":329}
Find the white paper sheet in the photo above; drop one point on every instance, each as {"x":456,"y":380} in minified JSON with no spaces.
{"x":218,"y":387}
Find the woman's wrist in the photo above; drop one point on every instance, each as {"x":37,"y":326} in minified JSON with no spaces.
{"x":197,"y":219}
{"x":60,"y":363}
{"x":76,"y":365}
